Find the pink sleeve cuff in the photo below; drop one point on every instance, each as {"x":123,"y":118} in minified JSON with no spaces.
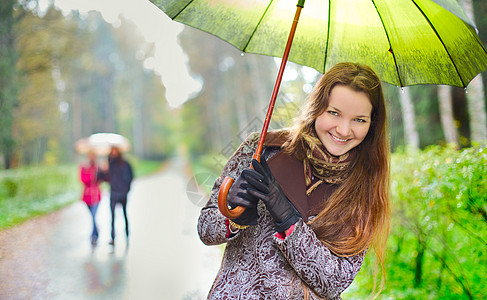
{"x":286,"y":233}
{"x":227,"y":224}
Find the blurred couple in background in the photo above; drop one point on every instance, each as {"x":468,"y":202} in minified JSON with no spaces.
{"x":118,"y":173}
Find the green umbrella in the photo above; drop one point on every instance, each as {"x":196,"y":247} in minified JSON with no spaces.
{"x":406,"y":42}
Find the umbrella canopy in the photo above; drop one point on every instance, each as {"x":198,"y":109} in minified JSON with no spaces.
{"x":101,"y":143}
{"x":406,"y":42}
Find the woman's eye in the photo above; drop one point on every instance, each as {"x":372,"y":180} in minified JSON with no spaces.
{"x":333,"y":113}
{"x":361,"y":120}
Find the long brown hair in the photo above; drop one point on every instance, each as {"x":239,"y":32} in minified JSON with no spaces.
{"x":356,"y":216}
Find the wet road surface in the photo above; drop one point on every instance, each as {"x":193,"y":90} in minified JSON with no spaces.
{"x":51,"y":257}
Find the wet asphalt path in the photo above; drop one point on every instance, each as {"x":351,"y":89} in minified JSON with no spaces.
{"x":51,"y":257}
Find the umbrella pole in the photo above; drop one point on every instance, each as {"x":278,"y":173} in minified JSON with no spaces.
{"x":228,"y":181}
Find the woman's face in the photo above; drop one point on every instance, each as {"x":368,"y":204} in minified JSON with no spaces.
{"x":114,"y":152}
{"x":91,"y":156}
{"x":345,"y":122}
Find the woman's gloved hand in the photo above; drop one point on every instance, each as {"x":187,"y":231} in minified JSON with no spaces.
{"x":264,"y":186}
{"x":239,"y":196}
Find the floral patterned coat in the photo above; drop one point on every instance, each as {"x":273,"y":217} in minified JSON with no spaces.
{"x":259,"y":265}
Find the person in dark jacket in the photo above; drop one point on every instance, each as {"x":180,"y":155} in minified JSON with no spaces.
{"x":120,"y":177}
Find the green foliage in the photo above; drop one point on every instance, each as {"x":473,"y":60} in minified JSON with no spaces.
{"x":9,"y":84}
{"x":33,"y":191}
{"x":68,"y":76}
{"x":437,"y":248}
{"x":144,"y":167}
{"x":9,"y":189}
{"x":37,"y":190}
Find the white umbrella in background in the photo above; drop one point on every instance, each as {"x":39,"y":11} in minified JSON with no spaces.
{"x":101,"y":143}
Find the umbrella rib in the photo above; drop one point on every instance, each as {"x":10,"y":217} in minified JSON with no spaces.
{"x":439,"y":38}
{"x":256,"y":26}
{"x":327,"y":36}
{"x":181,"y":10}
{"x":390,"y":46}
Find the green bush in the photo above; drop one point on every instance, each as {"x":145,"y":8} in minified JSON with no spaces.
{"x":437,"y":248}
{"x":29,"y":192}
{"x":10,"y":188}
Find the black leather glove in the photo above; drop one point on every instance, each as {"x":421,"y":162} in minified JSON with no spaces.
{"x":238,"y":196}
{"x":266,"y":188}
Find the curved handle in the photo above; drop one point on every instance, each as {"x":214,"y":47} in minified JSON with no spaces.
{"x":223,"y":193}
{"x":222,"y":200}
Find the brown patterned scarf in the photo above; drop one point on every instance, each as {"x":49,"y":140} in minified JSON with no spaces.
{"x":321,"y":164}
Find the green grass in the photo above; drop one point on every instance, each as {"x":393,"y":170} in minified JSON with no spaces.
{"x":29,"y":192}
{"x":32,"y":191}
{"x":145,"y":167}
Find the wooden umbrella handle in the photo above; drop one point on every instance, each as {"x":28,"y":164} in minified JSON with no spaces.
{"x":222,"y":196}
{"x":228,"y":181}
{"x":222,"y":200}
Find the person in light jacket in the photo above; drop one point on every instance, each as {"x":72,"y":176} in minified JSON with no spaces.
{"x":315,"y":203}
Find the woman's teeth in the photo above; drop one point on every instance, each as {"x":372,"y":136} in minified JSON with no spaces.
{"x":338,"y":139}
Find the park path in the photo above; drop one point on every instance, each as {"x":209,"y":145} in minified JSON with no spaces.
{"x":51,"y":257}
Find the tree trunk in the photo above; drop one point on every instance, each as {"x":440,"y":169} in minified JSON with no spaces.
{"x":240,"y":98}
{"x":260,"y":90}
{"x":419,"y":264}
{"x":446,"y":114}
{"x":476,"y":110}
{"x":475,"y":95}
{"x":137,"y":122}
{"x":107,"y":87}
{"x":8,"y":82}
{"x":410,"y":132}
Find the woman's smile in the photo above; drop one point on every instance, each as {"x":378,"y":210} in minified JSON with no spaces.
{"x":339,"y":140}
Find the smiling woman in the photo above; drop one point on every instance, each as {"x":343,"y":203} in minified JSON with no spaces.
{"x":315,"y":203}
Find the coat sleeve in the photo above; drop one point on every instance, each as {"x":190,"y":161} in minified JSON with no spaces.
{"x":131,"y":172}
{"x":211,"y":223}
{"x":129,"y":176}
{"x":325,"y":273}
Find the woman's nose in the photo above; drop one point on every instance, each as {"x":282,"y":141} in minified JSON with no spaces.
{"x":343,"y":129}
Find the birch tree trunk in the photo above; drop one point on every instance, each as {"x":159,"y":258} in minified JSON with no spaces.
{"x":9,"y":86}
{"x":475,"y":94}
{"x":262,"y":77}
{"x":476,"y":110}
{"x":411,"y":137}
{"x":137,"y":123}
{"x":240,"y":99}
{"x":446,"y":114}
